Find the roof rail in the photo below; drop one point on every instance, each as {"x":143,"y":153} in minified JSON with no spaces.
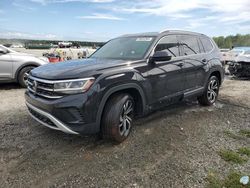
{"x":181,"y":31}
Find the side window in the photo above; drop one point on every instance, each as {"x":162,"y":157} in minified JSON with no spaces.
{"x":169,"y":44}
{"x":201,"y":46}
{"x":189,"y":45}
{"x":207,"y":44}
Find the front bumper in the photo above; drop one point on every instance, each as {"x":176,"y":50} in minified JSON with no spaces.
{"x":48,"y":120}
{"x":73,"y":114}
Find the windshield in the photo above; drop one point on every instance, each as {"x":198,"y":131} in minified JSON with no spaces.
{"x":6,"y":49}
{"x":125,"y":48}
{"x":237,"y":51}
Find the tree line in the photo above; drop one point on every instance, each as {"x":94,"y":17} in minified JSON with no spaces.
{"x":25,"y":42}
{"x":222,"y":42}
{"x":232,"y":41}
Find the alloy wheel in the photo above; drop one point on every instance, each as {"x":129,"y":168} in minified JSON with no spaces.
{"x":25,"y":76}
{"x":212,"y":92}
{"x":126,"y":118}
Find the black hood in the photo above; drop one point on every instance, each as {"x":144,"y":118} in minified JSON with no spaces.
{"x":75,"y":68}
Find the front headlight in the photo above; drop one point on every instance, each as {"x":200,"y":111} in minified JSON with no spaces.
{"x":73,"y":86}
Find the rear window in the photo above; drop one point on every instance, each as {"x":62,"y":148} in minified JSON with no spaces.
{"x":207,"y":44}
{"x":189,"y":44}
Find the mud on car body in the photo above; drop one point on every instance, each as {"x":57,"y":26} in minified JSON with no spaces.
{"x":128,"y":77}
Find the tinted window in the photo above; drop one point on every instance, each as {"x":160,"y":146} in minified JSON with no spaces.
{"x":189,"y":45}
{"x":169,"y":44}
{"x":207,"y":44}
{"x":125,"y":48}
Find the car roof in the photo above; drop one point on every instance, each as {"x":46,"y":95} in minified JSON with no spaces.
{"x":156,"y":34}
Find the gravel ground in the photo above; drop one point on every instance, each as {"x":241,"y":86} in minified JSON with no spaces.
{"x":174,"y":147}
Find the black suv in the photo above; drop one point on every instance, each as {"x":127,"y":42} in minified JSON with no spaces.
{"x":129,"y":76}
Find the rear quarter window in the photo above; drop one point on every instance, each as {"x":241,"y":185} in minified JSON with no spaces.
{"x":207,"y":44}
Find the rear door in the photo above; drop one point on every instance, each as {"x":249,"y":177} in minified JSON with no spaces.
{"x":207,"y":56}
{"x":194,"y":61}
{"x":6,"y":65}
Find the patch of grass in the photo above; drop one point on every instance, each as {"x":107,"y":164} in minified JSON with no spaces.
{"x":231,"y":181}
{"x":231,"y":156}
{"x":232,"y":135}
{"x":214,"y":181}
{"x":244,"y":151}
{"x":245,"y":133}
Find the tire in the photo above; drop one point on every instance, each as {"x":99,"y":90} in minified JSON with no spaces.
{"x":22,"y":75}
{"x":210,"y":95}
{"x":118,"y":117}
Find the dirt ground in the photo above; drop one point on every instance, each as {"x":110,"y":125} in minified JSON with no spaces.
{"x":175,"y":147}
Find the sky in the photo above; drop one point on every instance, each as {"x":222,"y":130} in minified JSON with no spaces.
{"x":101,"y":20}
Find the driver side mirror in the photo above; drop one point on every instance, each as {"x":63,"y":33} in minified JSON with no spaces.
{"x":160,"y":56}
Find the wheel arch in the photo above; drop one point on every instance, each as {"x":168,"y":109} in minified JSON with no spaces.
{"x":131,"y":88}
{"x":217,"y":74}
{"x":23,"y":66}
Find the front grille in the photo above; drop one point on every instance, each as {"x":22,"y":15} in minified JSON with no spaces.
{"x":41,"y":117}
{"x":42,"y":88}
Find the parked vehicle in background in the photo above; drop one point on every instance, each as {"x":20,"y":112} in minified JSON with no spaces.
{"x":224,"y":55}
{"x":129,"y":76}
{"x":64,"y":44}
{"x":240,"y":66}
{"x":232,"y":54}
{"x":15,"y":66}
{"x":17,"y":46}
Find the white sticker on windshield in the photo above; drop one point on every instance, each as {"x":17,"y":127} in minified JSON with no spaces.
{"x":144,"y":39}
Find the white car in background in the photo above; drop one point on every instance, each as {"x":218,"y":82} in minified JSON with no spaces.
{"x":240,"y":64}
{"x":15,"y":66}
{"x":224,"y":55}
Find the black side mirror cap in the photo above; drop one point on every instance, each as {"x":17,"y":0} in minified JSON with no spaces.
{"x":160,"y":56}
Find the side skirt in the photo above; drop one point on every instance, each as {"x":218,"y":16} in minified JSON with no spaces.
{"x":195,"y":92}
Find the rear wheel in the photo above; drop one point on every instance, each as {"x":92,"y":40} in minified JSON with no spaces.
{"x":117,"y":117}
{"x":23,"y":75}
{"x":210,"y":95}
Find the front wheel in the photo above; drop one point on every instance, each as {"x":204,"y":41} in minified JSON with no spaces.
{"x":23,"y":75}
{"x":210,"y":95}
{"x":117,"y":117}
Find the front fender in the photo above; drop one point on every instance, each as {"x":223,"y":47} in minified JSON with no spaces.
{"x":115,"y":89}
{"x":17,"y":69}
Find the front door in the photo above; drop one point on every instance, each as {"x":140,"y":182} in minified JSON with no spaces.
{"x":166,"y":77}
{"x":6,"y":65}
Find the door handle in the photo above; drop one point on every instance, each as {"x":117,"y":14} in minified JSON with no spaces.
{"x":180,"y":64}
{"x":204,"y":60}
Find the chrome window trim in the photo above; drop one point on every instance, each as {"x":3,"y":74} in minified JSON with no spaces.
{"x":181,"y":56}
{"x":165,"y":36}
